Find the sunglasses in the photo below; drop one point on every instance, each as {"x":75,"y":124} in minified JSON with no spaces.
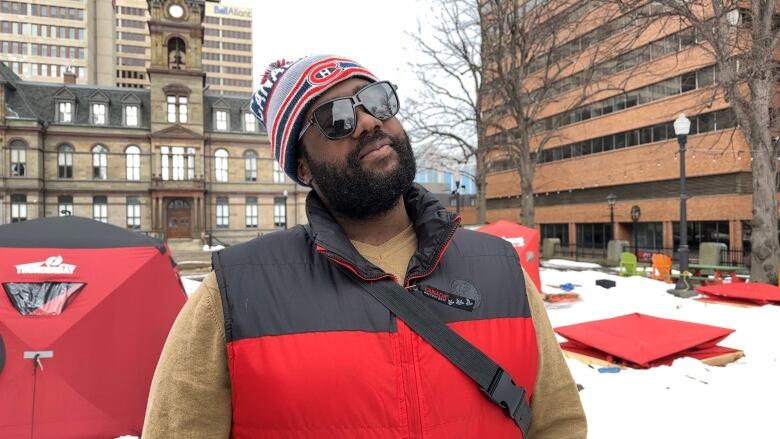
{"x":337,"y":118}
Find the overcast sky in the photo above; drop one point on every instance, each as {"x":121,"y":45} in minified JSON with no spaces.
{"x":369,"y":31}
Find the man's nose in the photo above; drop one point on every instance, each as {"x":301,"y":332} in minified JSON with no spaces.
{"x":365,"y":123}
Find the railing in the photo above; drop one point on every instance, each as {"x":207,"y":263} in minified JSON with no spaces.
{"x":734,"y":257}
{"x":578,"y":252}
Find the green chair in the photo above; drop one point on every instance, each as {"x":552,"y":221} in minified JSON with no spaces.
{"x":627,"y":264}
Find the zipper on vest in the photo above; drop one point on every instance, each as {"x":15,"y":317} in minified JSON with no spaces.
{"x":442,"y":249}
{"x":330,"y":255}
{"x":409,"y":363}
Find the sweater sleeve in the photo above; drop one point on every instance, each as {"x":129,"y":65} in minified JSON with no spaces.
{"x":556,"y":410}
{"x":190,"y":393}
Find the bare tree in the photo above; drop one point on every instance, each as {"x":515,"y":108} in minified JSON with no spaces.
{"x":742,"y":39}
{"x":445,"y":118}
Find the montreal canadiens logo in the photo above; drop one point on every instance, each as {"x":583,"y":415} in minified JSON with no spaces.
{"x":324,"y":72}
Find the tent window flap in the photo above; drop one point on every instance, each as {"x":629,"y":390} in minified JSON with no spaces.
{"x":42,"y":298}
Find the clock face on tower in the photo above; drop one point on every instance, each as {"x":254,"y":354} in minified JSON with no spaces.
{"x":176,"y":11}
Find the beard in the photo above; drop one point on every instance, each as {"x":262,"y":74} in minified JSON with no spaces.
{"x":351,"y":190}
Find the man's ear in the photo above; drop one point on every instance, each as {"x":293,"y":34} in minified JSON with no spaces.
{"x":304,"y":174}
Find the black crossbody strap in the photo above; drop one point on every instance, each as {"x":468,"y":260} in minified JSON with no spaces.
{"x":494,"y":381}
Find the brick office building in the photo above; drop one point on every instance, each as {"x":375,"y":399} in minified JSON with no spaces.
{"x":171,"y":160}
{"x":622,"y":142}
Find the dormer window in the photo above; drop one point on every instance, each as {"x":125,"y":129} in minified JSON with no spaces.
{"x":250,"y":123}
{"x":131,"y":115}
{"x":65,"y":112}
{"x":98,"y":113}
{"x":221,"y":120}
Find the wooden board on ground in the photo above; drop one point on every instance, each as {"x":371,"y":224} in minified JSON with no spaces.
{"x":720,"y":360}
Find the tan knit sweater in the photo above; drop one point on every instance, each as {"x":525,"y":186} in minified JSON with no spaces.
{"x":190,"y":394}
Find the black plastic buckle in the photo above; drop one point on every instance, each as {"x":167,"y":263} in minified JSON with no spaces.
{"x":504,"y":392}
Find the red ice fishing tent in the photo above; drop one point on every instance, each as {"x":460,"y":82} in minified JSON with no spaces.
{"x":642,"y":341}
{"x":525,"y":240}
{"x":85,"y":308}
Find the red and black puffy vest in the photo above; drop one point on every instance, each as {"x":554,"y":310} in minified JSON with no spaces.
{"x":311,"y":355}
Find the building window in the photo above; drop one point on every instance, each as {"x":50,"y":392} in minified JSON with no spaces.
{"x":176,"y":52}
{"x":98,"y":115}
{"x":278,"y":173}
{"x":65,"y":205}
{"x":593,"y":236}
{"x":223,"y":212}
{"x":221,"y":120}
{"x":18,"y":208}
{"x":133,"y":163}
{"x":177,"y":109}
{"x":649,"y":235}
{"x":221,"y":165}
{"x":251,"y":212}
{"x":250,"y":123}
{"x":18,"y":158}
{"x":131,"y":115}
{"x":64,"y":111}
{"x":280,"y":212}
{"x":100,"y":209}
{"x":65,"y":161}
{"x":177,"y":163}
{"x":560,"y":231}
{"x":99,"y":162}
{"x":133,"y":213}
{"x":702,"y":231}
{"x":250,"y":166}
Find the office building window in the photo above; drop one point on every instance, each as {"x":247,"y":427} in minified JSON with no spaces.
{"x":18,"y":208}
{"x":221,"y":165}
{"x":100,"y":209}
{"x":133,"y":163}
{"x":560,"y":231}
{"x":593,"y":235}
{"x":65,"y":161}
{"x":251,"y":212}
{"x":223,"y":212}
{"x":280,"y":212}
{"x":177,"y":163}
{"x":18,"y":158}
{"x":133,"y":213}
{"x":250,"y":166}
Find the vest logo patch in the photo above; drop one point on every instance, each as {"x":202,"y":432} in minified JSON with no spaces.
{"x":463,"y":295}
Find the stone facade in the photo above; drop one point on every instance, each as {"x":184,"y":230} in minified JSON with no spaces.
{"x":101,"y":151}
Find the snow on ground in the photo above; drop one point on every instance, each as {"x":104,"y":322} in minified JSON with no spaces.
{"x":688,"y":399}
{"x":190,"y":285}
{"x":563,"y":264}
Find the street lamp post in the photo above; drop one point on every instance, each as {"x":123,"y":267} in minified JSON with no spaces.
{"x":456,"y":192}
{"x":611,"y":200}
{"x":682,"y":126}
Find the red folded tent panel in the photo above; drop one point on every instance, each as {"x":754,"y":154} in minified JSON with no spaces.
{"x":641,"y":340}
{"x":745,"y":291}
{"x":525,"y":240}
{"x":85,"y":308}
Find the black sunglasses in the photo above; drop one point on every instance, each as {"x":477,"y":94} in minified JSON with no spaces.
{"x":337,"y":117}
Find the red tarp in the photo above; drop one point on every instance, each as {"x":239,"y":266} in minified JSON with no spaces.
{"x":99,"y":353}
{"x":525,"y":240}
{"x":752,"y":292}
{"x":641,"y":340}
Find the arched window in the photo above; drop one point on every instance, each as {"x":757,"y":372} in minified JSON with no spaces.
{"x":133,"y":162}
{"x":65,"y":161}
{"x":176,"y":52}
{"x":221,"y":165}
{"x":18,"y":158}
{"x":250,"y":166}
{"x":99,"y":162}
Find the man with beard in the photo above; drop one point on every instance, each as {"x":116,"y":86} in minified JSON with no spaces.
{"x":285,"y":338}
